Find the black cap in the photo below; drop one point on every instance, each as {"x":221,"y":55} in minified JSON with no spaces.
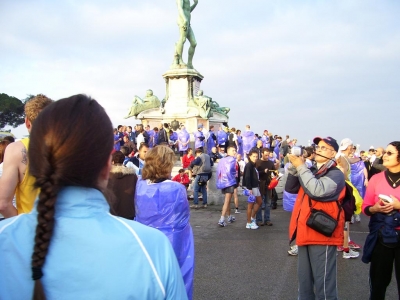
{"x":329,"y":140}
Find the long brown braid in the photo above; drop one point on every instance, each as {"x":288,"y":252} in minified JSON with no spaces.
{"x":58,"y":157}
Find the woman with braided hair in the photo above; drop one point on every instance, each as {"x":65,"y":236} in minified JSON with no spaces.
{"x":80,"y":251}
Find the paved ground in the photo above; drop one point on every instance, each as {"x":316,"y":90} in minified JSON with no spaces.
{"x":237,"y":263}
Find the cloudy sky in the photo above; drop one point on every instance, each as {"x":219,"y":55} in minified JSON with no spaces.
{"x":303,"y":68}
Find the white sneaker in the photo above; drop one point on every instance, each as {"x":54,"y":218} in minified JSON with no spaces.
{"x":231,"y":219}
{"x":237,"y":211}
{"x":358,"y":218}
{"x":350,"y":254}
{"x":251,"y":225}
{"x":294,"y":250}
{"x":352,"y":220}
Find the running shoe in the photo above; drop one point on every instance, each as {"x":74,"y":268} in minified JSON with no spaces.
{"x":231,"y":219}
{"x":352,"y":220}
{"x":340,"y":248}
{"x":358,"y":218}
{"x":353,"y":245}
{"x":237,"y":211}
{"x":204,"y":206}
{"x":350,"y":254}
{"x":194,"y":206}
{"x":294,"y":250}
{"x":221,"y":223}
{"x":251,"y":225}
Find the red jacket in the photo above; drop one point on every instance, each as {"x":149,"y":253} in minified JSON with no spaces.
{"x":181,"y":179}
{"x":308,"y":236}
{"x":186,"y":161}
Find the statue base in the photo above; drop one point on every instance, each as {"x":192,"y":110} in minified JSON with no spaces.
{"x":181,"y":86}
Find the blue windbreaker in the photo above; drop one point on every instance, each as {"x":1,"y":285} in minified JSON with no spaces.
{"x":92,"y":254}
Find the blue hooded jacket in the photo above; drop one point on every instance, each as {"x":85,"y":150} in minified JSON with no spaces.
{"x":92,"y":254}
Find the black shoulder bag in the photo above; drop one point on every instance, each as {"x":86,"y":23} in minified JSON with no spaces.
{"x":321,"y":221}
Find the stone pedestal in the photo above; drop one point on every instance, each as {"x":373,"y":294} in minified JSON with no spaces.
{"x":181,"y":86}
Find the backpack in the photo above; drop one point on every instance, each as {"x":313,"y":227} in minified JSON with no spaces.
{"x":348,"y":203}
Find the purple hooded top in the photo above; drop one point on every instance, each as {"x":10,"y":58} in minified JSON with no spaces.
{"x":183,"y":137}
{"x":248,"y":141}
{"x":227,"y":172}
{"x":265,"y":140}
{"x":117,"y":146}
{"x":357,"y":177}
{"x":288,"y":199}
{"x":276,"y":149}
{"x":221,"y":137}
{"x":151,"y":134}
{"x":199,"y":139}
{"x":164,"y":206}
{"x":173,"y":137}
{"x":211,"y":142}
{"x":240,"y":146}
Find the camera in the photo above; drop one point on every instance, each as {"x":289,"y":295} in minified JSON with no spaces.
{"x":297,"y":150}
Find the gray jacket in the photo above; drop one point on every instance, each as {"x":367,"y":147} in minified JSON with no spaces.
{"x":324,"y":188}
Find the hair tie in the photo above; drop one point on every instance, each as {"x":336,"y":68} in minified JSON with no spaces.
{"x":37,"y":273}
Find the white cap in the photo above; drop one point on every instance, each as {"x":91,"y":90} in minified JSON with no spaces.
{"x":345,"y":143}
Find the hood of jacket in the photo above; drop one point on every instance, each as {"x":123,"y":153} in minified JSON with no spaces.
{"x":121,"y":170}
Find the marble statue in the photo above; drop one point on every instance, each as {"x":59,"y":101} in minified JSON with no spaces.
{"x":203,"y":103}
{"x":186,"y":32}
{"x":139,"y":105}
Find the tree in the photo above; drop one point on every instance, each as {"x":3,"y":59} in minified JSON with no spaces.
{"x":11,"y":111}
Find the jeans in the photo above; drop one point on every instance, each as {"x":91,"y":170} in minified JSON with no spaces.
{"x":266,"y":205}
{"x":199,"y":188}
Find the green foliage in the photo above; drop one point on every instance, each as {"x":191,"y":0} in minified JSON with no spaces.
{"x":11,"y":111}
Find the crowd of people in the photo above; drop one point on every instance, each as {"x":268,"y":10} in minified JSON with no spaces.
{"x":65,"y":208}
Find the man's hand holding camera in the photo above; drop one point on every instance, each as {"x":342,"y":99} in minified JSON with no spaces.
{"x":296,"y":161}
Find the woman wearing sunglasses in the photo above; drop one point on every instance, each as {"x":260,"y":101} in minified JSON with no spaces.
{"x":381,"y":203}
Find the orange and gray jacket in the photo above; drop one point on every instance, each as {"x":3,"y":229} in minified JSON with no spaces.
{"x":326,"y":192}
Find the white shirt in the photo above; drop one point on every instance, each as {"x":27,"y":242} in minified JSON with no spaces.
{"x":139,"y":139}
{"x":242,"y":164}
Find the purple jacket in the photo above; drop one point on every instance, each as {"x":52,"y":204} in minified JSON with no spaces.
{"x":199,"y":139}
{"x":227,"y":172}
{"x":164,"y":206}
{"x":151,"y":134}
{"x":183,"y":137}
{"x":265,"y":140}
{"x":211,"y":142}
{"x":248,"y":141}
{"x":221,"y":137}
{"x":240,"y":146}
{"x":173,"y":137}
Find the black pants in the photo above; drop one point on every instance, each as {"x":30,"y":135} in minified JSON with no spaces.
{"x":380,"y":271}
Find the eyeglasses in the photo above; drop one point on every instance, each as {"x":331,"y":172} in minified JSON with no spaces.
{"x":323,"y":148}
{"x":389,"y":153}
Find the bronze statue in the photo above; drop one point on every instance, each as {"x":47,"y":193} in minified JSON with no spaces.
{"x":186,"y":32}
{"x":139,"y":105}
{"x":203,"y":103}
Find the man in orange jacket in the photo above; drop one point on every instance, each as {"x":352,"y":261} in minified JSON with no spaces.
{"x":323,"y":188}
